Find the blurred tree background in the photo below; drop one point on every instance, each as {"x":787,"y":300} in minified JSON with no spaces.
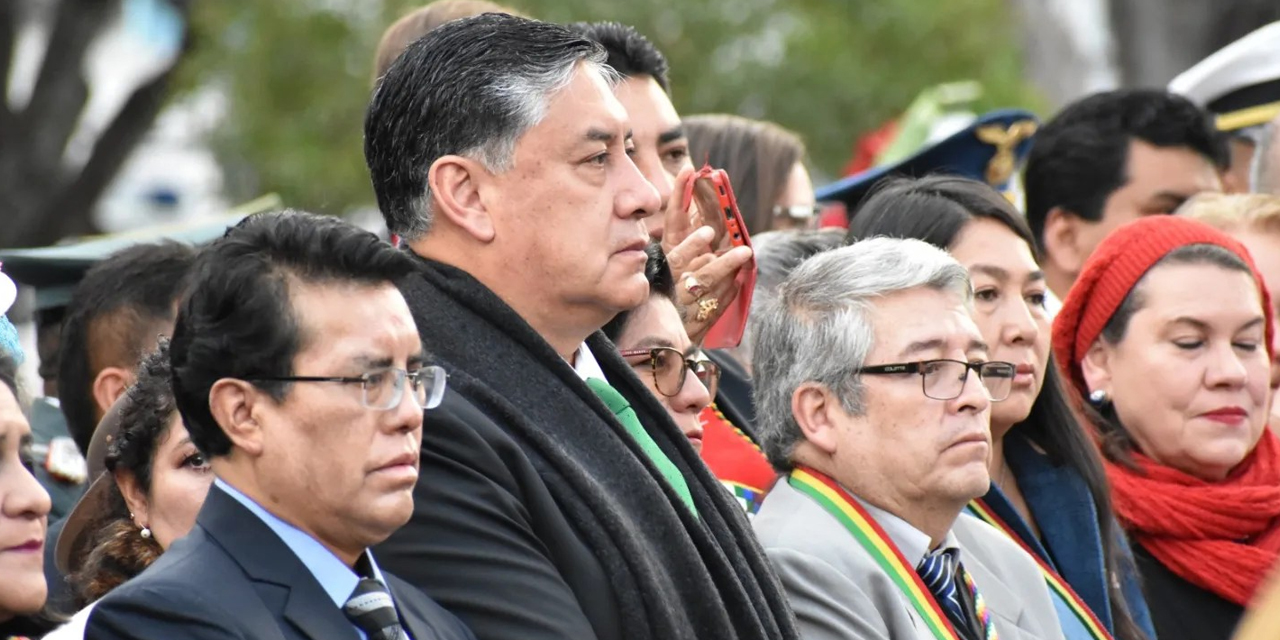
{"x":297,"y":73}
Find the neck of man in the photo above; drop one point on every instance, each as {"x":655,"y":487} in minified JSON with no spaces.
{"x":931,"y":515}
{"x":563,"y":328}
{"x":1059,"y":281}
{"x":245,"y":480}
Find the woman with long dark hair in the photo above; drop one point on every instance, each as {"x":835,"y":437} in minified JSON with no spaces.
{"x":1048,"y":490}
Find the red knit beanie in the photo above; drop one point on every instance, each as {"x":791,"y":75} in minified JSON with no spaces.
{"x":1114,"y":270}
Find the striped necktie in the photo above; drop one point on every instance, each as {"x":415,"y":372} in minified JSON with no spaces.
{"x":371,"y":610}
{"x":938,"y":572}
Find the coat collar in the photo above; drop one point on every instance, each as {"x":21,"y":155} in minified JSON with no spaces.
{"x":269,"y":562}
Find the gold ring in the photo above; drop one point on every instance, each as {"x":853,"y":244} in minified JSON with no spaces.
{"x":706,"y":308}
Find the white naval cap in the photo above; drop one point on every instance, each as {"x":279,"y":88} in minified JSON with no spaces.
{"x":1240,"y":83}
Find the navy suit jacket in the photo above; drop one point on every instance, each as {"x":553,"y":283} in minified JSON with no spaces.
{"x":232,"y":577}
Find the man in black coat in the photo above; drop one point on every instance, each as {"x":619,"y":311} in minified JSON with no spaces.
{"x":298,"y":372}
{"x":557,"y":499}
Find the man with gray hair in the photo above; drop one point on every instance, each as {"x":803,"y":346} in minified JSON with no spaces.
{"x":874,"y":397}
{"x":1266,"y":161}
{"x":556,"y":498}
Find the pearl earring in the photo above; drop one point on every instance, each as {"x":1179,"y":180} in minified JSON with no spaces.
{"x":146,"y":533}
{"x":1098,"y":398}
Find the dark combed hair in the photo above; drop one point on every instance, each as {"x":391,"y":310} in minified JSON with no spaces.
{"x":936,"y":209}
{"x":116,"y":551}
{"x":111,"y":321}
{"x":463,"y":89}
{"x":661,"y":283}
{"x":238,"y":321}
{"x":1117,"y":444}
{"x":629,"y":53}
{"x":1080,"y":156}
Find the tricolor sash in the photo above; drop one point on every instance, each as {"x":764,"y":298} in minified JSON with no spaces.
{"x":1055,"y":581}
{"x":868,"y":533}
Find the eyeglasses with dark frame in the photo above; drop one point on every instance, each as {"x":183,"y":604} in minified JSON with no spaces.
{"x":670,"y":368}
{"x":382,"y":389}
{"x":944,"y":379}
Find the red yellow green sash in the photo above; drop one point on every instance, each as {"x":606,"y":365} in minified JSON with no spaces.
{"x":836,"y":501}
{"x":1055,"y":581}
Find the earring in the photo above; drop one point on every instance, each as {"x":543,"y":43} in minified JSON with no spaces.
{"x":1098,"y":398}
{"x":146,"y":533}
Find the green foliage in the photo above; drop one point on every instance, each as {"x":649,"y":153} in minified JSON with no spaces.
{"x":297,"y":72}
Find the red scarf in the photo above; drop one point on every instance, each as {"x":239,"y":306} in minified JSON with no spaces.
{"x":1222,"y":536}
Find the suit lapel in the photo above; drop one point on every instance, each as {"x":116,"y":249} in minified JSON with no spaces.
{"x":278,"y":572}
{"x":1002,"y":601}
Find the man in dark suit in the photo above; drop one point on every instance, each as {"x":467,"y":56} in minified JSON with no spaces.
{"x":298,"y":372}
{"x":557,"y":498}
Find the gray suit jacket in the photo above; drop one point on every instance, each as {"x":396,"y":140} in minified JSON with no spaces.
{"x":840,"y":593}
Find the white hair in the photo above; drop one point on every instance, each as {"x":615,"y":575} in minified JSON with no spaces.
{"x":818,"y":327}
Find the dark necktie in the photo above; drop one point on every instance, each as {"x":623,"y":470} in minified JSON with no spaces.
{"x":370,"y":608}
{"x":939,"y":573}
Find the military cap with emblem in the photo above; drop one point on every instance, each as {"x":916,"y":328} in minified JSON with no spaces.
{"x":53,"y":273}
{"x":991,"y":149}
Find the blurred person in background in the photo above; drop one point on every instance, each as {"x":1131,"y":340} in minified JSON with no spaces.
{"x":1254,"y":221}
{"x":1048,"y":487}
{"x":418,"y":22}
{"x":765,"y":163}
{"x":1110,"y":158}
{"x":1239,"y":85}
{"x":1165,"y":339}
{"x":149,"y":482}
{"x":24,"y":510}
{"x":1265,"y":176}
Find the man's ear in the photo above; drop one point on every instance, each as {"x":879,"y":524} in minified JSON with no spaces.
{"x":110,"y":384}
{"x":1062,"y":240}
{"x":456,"y":185}
{"x":237,"y":406}
{"x":1096,"y":367}
{"x":815,"y":409}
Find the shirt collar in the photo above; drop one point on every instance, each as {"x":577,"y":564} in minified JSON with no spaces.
{"x":335,"y":577}
{"x":586,"y":366}
{"x":912,"y":542}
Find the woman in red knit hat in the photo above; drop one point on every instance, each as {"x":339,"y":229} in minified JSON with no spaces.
{"x":1165,"y":336}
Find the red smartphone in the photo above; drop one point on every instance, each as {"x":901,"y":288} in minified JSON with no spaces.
{"x":718,"y":209}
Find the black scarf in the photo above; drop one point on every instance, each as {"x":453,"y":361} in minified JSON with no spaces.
{"x":675,"y":575}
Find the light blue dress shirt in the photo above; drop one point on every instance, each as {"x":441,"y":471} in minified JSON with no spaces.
{"x":334,"y":576}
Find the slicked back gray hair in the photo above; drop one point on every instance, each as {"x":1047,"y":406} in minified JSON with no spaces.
{"x":471,"y":87}
{"x":818,"y":328}
{"x":777,"y":254}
